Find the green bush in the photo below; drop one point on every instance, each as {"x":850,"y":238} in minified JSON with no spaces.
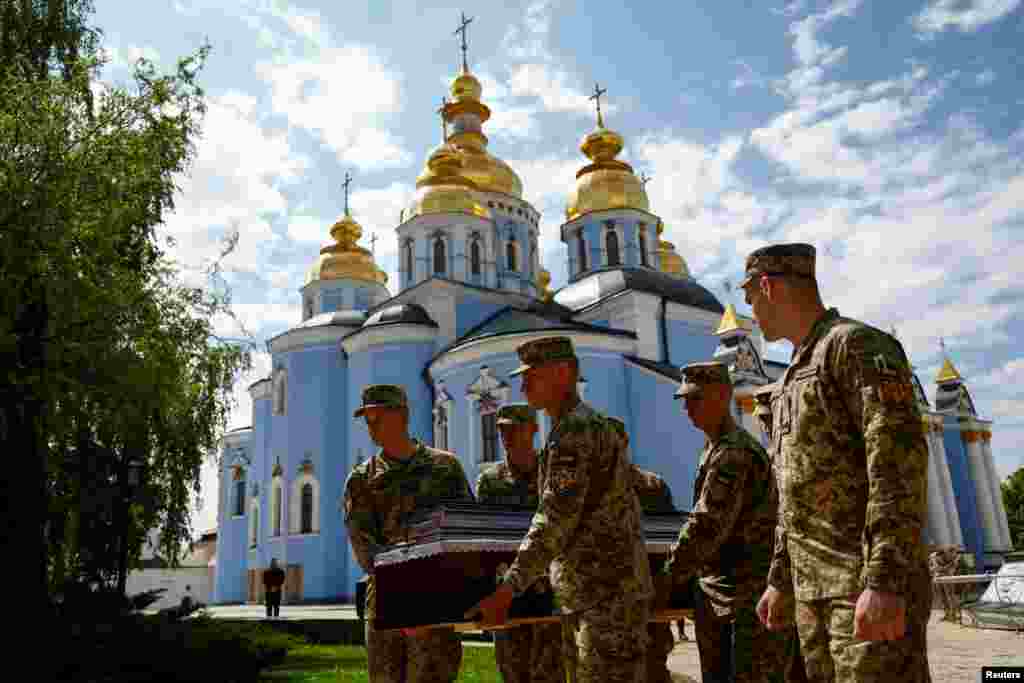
{"x":153,"y":649}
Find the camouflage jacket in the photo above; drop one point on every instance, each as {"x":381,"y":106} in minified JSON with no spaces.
{"x":728,"y":539}
{"x":587,"y":527}
{"x":653,"y":492}
{"x":851,"y":462}
{"x":504,"y":484}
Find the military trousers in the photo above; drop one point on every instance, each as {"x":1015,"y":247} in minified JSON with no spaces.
{"x":832,"y":653}
{"x":530,"y":654}
{"x":736,"y":648}
{"x":660,"y":643}
{"x":609,"y":641}
{"x":394,"y":658}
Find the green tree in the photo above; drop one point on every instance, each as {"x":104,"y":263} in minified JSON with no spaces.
{"x":105,"y":354}
{"x":1013,"y":501}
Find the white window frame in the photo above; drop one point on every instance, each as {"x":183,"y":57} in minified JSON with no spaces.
{"x":485,"y":383}
{"x":280,"y":392}
{"x":295,"y":509}
{"x":277,"y":526}
{"x":444,"y":402}
{"x":254,"y":522}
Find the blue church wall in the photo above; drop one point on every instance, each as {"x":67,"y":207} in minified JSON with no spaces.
{"x":471,"y":311}
{"x":336,"y":424}
{"x":689,"y":343}
{"x":662,"y":438}
{"x":964,"y":493}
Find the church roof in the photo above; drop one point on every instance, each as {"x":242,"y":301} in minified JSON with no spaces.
{"x":514,"y":320}
{"x":343,"y":318}
{"x":603,"y":284}
{"x":408,"y":314}
{"x":670,"y":371}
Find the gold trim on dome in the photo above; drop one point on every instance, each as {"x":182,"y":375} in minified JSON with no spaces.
{"x":444,"y":188}
{"x":543,"y":280}
{"x":948,"y":373}
{"x":345,"y":259}
{"x":606,"y":183}
{"x":670,"y":261}
{"x":730,"y":322}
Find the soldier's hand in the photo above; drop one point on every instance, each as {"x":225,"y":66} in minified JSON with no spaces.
{"x":880,"y":616}
{"x":770,"y":609}
{"x":493,"y":610}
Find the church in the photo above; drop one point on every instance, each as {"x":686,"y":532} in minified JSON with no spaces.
{"x":471,"y":289}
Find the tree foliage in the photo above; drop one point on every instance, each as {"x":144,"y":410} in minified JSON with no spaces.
{"x":1013,"y":501}
{"x":106,"y":354}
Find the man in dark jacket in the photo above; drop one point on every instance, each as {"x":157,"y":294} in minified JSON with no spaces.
{"x":273,"y":580}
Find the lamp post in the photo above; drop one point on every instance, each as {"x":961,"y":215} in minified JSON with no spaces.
{"x":129,"y":484}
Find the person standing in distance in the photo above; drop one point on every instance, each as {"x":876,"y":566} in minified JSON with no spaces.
{"x":587,"y":529}
{"x":852,"y":470}
{"x":527,"y":654}
{"x":378,"y":503}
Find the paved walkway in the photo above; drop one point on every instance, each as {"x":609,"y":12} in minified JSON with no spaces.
{"x":288,"y":612}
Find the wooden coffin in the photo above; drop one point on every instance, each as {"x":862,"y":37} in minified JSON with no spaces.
{"x":453,"y":558}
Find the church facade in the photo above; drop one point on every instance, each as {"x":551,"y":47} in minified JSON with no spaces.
{"x":471,"y":290}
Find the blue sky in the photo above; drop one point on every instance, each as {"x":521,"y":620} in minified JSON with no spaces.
{"x":889,"y":134}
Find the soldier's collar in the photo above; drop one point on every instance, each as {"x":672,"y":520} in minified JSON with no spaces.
{"x":728,"y":427}
{"x":817,"y":330}
{"x":418,"y":451}
{"x":519,"y":472}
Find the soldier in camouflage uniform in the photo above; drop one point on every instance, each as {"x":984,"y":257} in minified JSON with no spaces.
{"x":727,"y":540}
{"x":587,"y":529}
{"x":944,"y":560}
{"x":380,"y":496}
{"x":851,"y":462}
{"x":526,"y":653}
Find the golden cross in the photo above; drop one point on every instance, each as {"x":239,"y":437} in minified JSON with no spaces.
{"x":644,"y":179}
{"x":373,"y":243}
{"x":348,"y":181}
{"x":444,"y":121}
{"x":462,"y":29}
{"x":597,"y":98}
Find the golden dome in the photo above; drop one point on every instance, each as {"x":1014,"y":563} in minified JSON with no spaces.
{"x":344,"y":258}
{"x":607,"y":183}
{"x":466,"y":87}
{"x":543,"y":280}
{"x":671,"y":262}
{"x":442,"y":187}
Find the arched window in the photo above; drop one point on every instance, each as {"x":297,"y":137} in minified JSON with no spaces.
{"x":489,"y":430}
{"x":307,"y":509}
{"x":441,"y":427}
{"x":510,"y":253}
{"x":254,"y":524}
{"x":643,"y":244}
{"x":439,"y":259}
{"x":275,"y":507}
{"x":611,"y":245}
{"x":474,"y":257}
{"x":280,"y":391}
{"x":581,"y":256}
{"x":407,"y":256}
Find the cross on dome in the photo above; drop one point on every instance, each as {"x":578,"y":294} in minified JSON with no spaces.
{"x":348,"y":181}
{"x":462,"y":29}
{"x":597,"y":98}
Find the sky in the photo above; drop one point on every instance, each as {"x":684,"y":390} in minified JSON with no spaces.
{"x":888,"y":134}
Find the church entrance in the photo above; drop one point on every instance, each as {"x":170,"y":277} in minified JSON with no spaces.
{"x":292,"y":584}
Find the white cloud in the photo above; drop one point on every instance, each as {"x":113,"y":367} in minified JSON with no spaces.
{"x":962,"y":15}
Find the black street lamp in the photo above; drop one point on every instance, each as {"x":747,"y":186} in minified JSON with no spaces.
{"x":129,"y":485}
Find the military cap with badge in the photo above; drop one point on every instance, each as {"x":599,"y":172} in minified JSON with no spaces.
{"x":795,"y":259}
{"x":382,"y":396}
{"x":541,"y":351}
{"x":516,"y":414}
{"x":698,"y":375}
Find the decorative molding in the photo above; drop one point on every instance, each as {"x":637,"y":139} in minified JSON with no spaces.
{"x":260,"y":390}
{"x":476,"y":350}
{"x":295,"y":504}
{"x":302,"y":337}
{"x":381,"y":335}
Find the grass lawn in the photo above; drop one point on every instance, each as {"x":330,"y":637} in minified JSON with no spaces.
{"x":347,"y":664}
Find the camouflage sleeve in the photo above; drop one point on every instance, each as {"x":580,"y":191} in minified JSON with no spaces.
{"x":879,"y":395}
{"x":569,"y":477}
{"x":713,"y":517}
{"x":360,"y":522}
{"x":483,"y":487}
{"x":780,"y":576}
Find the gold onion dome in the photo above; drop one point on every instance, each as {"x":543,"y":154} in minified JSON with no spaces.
{"x":607,"y":183}
{"x":488,"y":173}
{"x":345,"y":259}
{"x":442,"y":188}
{"x":671,"y":262}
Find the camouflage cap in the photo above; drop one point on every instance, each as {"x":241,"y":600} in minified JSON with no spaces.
{"x":780,"y":259}
{"x":516,"y":414}
{"x":763,"y":400}
{"x":382,"y":396}
{"x":697,"y":375}
{"x":541,"y":351}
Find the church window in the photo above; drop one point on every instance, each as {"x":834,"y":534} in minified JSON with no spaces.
{"x":240,"y":497}
{"x":307,"y":509}
{"x":441,"y":428}
{"x":309,"y":308}
{"x":254,"y":524}
{"x":439,"y":256}
{"x":581,"y":245}
{"x":474,"y":257}
{"x":510,"y":250}
{"x":408,"y":258}
{"x":643,"y":244}
{"x":489,"y":431}
{"x":280,"y":391}
{"x":611,"y":245}
{"x":275,"y":507}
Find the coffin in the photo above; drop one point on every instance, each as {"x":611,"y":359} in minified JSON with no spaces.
{"x":452,"y":561}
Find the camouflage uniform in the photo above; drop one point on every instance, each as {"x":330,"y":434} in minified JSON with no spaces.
{"x":588,"y":531}
{"x":945,"y":561}
{"x":526,"y":653}
{"x":655,"y":496}
{"x":852,"y":472}
{"x":380,"y":495}
{"x":727,"y":542}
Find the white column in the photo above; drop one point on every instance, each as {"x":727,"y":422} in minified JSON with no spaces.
{"x":474,"y":458}
{"x":946,"y":487}
{"x":937,"y":519}
{"x":982,"y":492}
{"x":1002,"y":523}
